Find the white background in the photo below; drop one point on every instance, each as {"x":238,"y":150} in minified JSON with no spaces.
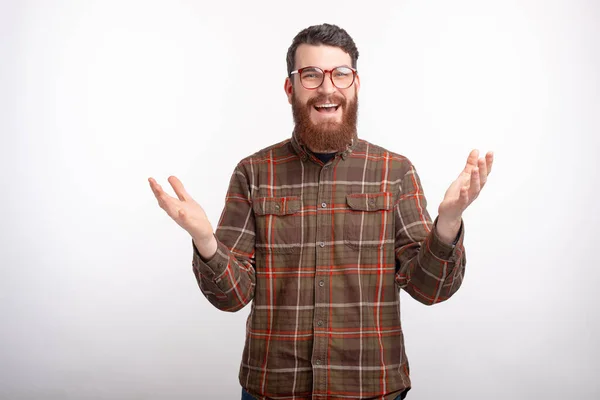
{"x":97,"y":295}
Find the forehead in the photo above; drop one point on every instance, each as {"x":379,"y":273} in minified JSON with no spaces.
{"x":322,"y":56}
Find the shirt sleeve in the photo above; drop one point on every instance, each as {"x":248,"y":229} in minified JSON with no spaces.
{"x":228,"y":278}
{"x":429,"y":269}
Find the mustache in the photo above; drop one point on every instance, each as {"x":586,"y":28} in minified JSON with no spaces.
{"x":327,"y":99}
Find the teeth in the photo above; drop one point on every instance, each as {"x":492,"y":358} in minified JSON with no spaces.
{"x":326,"y":105}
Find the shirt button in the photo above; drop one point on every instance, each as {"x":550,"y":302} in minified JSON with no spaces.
{"x":371,"y":201}
{"x":318,"y":362}
{"x":322,"y":244}
{"x":321,"y":283}
{"x":277,"y":206}
{"x":323,"y":205}
{"x":320,"y":323}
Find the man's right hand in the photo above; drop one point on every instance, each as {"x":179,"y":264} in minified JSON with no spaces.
{"x":188,"y":214}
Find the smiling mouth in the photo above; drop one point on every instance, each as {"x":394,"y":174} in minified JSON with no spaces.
{"x":326,"y":108}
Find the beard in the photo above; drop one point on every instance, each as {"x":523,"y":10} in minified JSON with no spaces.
{"x":325,"y":136}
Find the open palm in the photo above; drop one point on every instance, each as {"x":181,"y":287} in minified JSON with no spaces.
{"x":465,"y":189}
{"x":184,"y":209}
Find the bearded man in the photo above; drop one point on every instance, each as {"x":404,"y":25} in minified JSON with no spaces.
{"x":319,"y":233}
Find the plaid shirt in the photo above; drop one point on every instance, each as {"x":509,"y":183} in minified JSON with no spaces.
{"x":323,"y":251}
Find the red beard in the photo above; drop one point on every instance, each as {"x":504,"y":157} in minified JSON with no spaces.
{"x":325,"y":136}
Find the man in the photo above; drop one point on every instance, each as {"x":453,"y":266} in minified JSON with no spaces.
{"x":321,"y":231}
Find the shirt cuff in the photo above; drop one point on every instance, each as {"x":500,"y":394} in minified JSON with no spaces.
{"x":213,"y":267}
{"x":441,"y":249}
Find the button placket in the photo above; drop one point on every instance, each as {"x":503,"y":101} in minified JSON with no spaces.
{"x":324,"y":219}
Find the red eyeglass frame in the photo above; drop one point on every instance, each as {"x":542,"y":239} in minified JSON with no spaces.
{"x":325,"y":71}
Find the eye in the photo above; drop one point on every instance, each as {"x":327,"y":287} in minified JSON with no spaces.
{"x":311,"y":73}
{"x":342,"y":72}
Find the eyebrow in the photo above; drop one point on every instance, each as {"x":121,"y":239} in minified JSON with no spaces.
{"x":314,"y":66}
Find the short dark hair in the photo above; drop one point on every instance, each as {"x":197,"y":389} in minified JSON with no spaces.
{"x":324,"y":34}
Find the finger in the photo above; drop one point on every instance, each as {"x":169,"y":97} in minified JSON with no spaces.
{"x":463,"y":199}
{"x":472,"y":160}
{"x":156,"y":189}
{"x":489,"y":160}
{"x":178,"y":188}
{"x":483,"y":172}
{"x":465,"y":175}
{"x":475,"y":186}
{"x":165,"y":201}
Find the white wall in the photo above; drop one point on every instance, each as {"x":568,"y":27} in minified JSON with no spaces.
{"x":97,"y":296}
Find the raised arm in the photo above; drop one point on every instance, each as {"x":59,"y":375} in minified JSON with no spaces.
{"x":426,"y":267}
{"x":430,"y":256}
{"x":223,"y":263}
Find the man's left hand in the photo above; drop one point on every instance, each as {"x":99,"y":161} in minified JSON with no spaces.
{"x":461,"y":193}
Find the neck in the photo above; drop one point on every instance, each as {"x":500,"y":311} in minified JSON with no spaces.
{"x":323,"y":151}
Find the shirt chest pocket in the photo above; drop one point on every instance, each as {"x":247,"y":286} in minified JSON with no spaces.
{"x":369,"y":220}
{"x":278,"y":224}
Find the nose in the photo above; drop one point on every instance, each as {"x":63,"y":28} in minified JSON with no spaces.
{"x":327,"y":86}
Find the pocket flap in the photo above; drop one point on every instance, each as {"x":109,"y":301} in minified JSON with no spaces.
{"x":276,"y":205}
{"x":370,"y":201}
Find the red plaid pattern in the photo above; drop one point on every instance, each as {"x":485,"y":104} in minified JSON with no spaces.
{"x":323,"y":251}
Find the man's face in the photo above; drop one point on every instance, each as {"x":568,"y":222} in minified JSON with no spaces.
{"x":323,"y":128}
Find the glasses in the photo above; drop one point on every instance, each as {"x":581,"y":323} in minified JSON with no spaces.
{"x":313,"y":77}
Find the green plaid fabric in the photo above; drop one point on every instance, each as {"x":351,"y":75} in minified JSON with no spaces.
{"x":320,"y":252}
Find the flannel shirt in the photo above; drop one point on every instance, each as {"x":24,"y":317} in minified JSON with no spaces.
{"x":321,"y":251}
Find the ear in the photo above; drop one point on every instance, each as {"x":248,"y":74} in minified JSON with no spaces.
{"x":357,"y":83}
{"x":289,"y":89}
